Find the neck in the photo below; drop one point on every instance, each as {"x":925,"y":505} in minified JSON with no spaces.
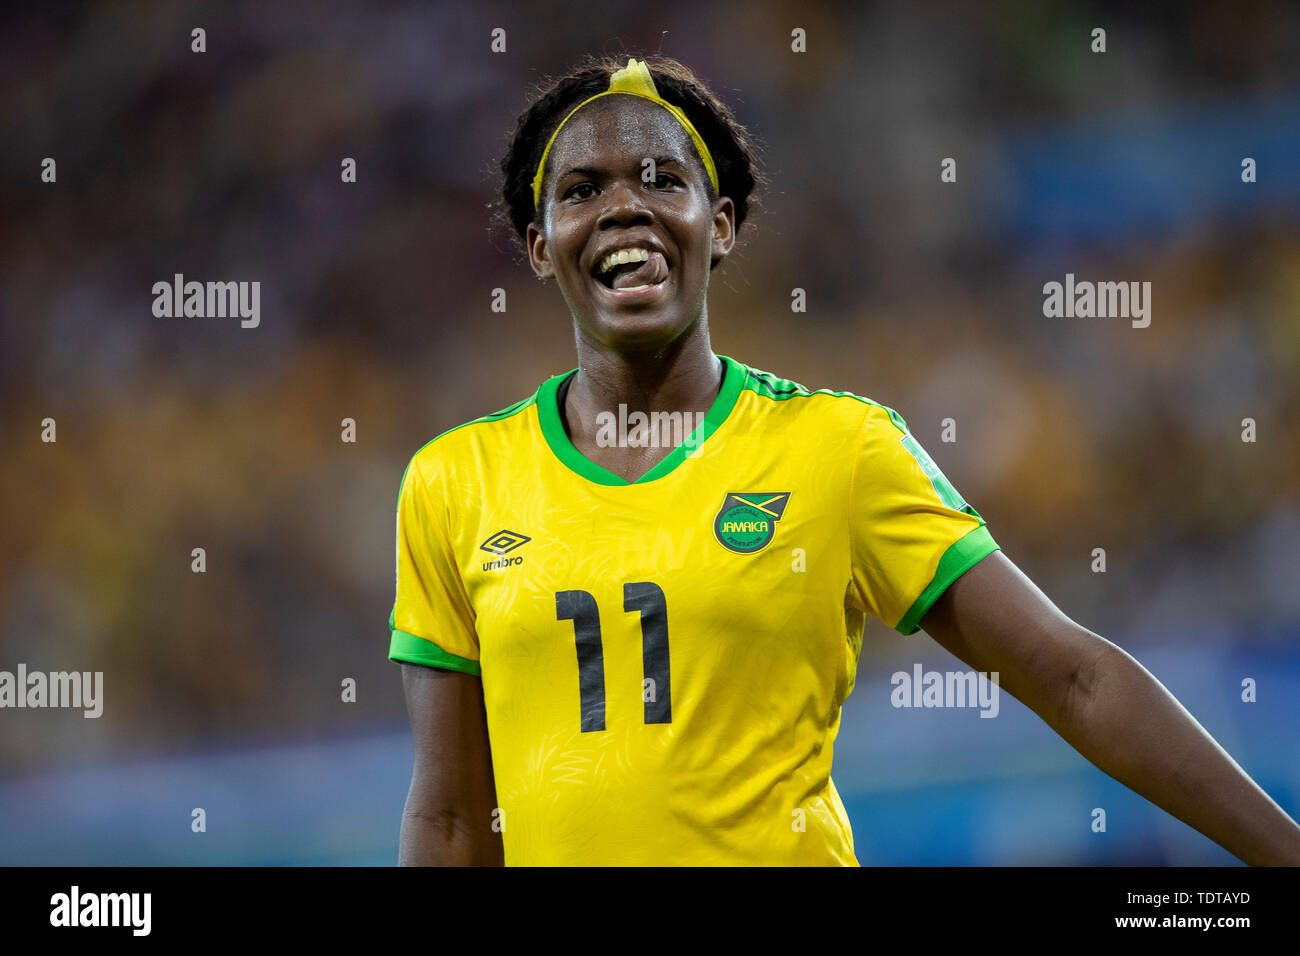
{"x":684,"y":376}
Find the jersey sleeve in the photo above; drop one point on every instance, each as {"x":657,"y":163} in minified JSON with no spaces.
{"x":912,"y":535}
{"x":432,"y":621}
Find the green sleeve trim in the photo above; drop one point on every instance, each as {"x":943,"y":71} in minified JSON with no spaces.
{"x":407,"y":648}
{"x":964,"y":554}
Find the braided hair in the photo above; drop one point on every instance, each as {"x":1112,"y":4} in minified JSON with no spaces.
{"x":731,"y":145}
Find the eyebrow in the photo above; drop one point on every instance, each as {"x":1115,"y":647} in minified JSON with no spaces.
{"x":593,"y":171}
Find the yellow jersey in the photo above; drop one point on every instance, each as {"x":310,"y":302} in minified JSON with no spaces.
{"x":664,"y":660}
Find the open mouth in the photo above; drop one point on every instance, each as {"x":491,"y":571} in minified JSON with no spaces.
{"x":632,"y":273}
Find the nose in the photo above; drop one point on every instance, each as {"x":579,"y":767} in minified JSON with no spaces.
{"x":624,"y":202}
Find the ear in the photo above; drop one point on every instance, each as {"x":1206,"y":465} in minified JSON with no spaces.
{"x":539,"y":256}
{"x":724,"y":228}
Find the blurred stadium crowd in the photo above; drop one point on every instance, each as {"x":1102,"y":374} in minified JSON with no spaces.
{"x":174,"y":434}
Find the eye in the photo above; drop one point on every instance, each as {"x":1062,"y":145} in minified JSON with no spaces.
{"x":572,"y":191}
{"x":669,"y":180}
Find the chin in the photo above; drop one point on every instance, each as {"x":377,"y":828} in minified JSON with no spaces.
{"x":641,"y":322}
{"x":630,"y":332}
{"x":644,"y":331}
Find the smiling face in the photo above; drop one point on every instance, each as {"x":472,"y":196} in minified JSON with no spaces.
{"x":594,"y":201}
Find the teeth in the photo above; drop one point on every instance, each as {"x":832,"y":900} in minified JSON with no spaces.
{"x":621,"y":257}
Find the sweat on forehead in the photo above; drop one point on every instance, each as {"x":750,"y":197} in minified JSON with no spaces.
{"x":629,"y":125}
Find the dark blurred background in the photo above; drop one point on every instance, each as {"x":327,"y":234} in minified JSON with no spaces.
{"x":222,"y":689}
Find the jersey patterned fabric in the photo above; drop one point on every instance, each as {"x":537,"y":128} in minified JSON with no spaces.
{"x":664,"y":660}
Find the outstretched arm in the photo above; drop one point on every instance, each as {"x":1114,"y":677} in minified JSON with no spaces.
{"x":1109,"y":708}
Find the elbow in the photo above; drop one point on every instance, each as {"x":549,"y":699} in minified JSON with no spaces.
{"x":438,"y":836}
{"x":1085,"y":679}
{"x":443,"y":826}
{"x":439,"y":824}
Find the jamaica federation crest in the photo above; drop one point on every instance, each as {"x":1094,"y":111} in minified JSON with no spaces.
{"x":747,"y":520}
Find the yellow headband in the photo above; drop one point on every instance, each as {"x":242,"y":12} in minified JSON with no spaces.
{"x":634,"y":80}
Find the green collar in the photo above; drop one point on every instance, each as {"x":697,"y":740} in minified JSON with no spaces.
{"x":548,"y":411}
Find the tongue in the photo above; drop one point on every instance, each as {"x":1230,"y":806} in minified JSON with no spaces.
{"x":654,"y":270}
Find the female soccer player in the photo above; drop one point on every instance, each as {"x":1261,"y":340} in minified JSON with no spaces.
{"x":630,"y":606}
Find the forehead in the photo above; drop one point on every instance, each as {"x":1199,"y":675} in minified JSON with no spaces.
{"x":618,"y":129}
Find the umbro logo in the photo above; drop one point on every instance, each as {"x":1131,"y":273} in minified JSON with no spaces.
{"x":500,"y":543}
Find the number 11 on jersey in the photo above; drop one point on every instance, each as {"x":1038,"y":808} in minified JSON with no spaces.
{"x":580,"y":608}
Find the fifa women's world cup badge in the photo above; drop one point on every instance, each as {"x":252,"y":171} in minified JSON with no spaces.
{"x":747,"y":520}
